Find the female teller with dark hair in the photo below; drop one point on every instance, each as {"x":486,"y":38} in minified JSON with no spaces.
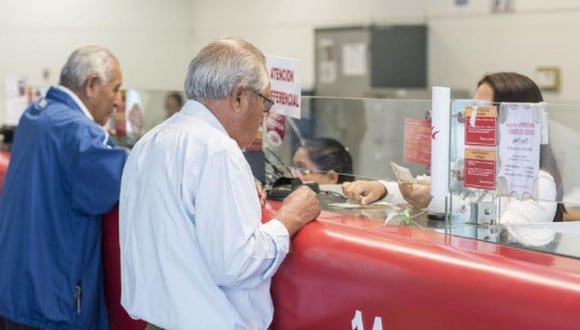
{"x":322,"y":160}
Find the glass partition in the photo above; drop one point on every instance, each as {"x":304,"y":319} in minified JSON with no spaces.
{"x":481,"y":203}
{"x":371,"y":130}
{"x":511,"y":174}
{"x":141,"y":110}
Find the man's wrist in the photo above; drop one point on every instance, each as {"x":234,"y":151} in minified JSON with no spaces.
{"x":385,"y":192}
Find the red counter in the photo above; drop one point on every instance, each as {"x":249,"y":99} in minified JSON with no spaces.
{"x":4,"y":160}
{"x":348,"y":273}
{"x":118,"y":317}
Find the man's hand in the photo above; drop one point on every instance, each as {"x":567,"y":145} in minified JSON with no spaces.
{"x":364,"y":191}
{"x":418,"y":194}
{"x":298,"y":209}
{"x":261,"y":193}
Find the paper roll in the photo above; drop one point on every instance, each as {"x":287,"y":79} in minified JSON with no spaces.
{"x":440,"y":120}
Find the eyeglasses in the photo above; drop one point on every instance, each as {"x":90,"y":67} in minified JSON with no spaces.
{"x":301,"y":171}
{"x":268,"y":103}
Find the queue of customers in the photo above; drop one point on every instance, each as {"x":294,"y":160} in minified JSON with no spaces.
{"x":191,"y":232}
{"x":211,"y":246}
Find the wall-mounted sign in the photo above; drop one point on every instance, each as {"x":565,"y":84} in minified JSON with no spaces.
{"x":285,"y":79}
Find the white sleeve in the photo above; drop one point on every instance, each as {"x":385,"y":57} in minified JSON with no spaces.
{"x":529,"y":211}
{"x":532,"y":212}
{"x":513,"y":210}
{"x":239,"y":250}
{"x":393,"y":193}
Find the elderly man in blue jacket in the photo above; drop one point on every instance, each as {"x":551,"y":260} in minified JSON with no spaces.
{"x":64,"y":173}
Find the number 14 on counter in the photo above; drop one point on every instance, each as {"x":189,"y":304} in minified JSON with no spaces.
{"x":357,"y":322}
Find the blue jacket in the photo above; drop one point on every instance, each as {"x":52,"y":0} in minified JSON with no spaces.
{"x":63,"y":174}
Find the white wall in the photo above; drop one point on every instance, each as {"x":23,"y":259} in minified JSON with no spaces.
{"x":466,"y":42}
{"x":286,"y":27}
{"x":149,"y":37}
{"x":155,"y":40}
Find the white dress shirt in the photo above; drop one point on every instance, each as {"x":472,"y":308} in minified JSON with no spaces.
{"x":194,"y":253}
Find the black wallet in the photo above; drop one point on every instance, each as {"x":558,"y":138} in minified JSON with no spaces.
{"x":283,"y":186}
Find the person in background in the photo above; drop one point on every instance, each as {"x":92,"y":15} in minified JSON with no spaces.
{"x":495,"y":87}
{"x":322,"y":160}
{"x":194,"y":252}
{"x":173,"y":103}
{"x":63,"y":174}
{"x":134,"y":113}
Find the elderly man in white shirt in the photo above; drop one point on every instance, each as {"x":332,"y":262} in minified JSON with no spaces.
{"x":194,"y":252}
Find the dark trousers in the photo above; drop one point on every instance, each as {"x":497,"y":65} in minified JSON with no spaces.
{"x":6,"y":324}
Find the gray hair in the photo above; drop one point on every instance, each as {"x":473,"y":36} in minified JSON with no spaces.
{"x":84,"y":62}
{"x":223,"y":64}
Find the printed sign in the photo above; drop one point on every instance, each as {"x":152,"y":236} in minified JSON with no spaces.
{"x":519,"y":149}
{"x":481,"y":125}
{"x":285,"y":80}
{"x":479,"y":168}
{"x":417,"y":141}
{"x":275,"y":129}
